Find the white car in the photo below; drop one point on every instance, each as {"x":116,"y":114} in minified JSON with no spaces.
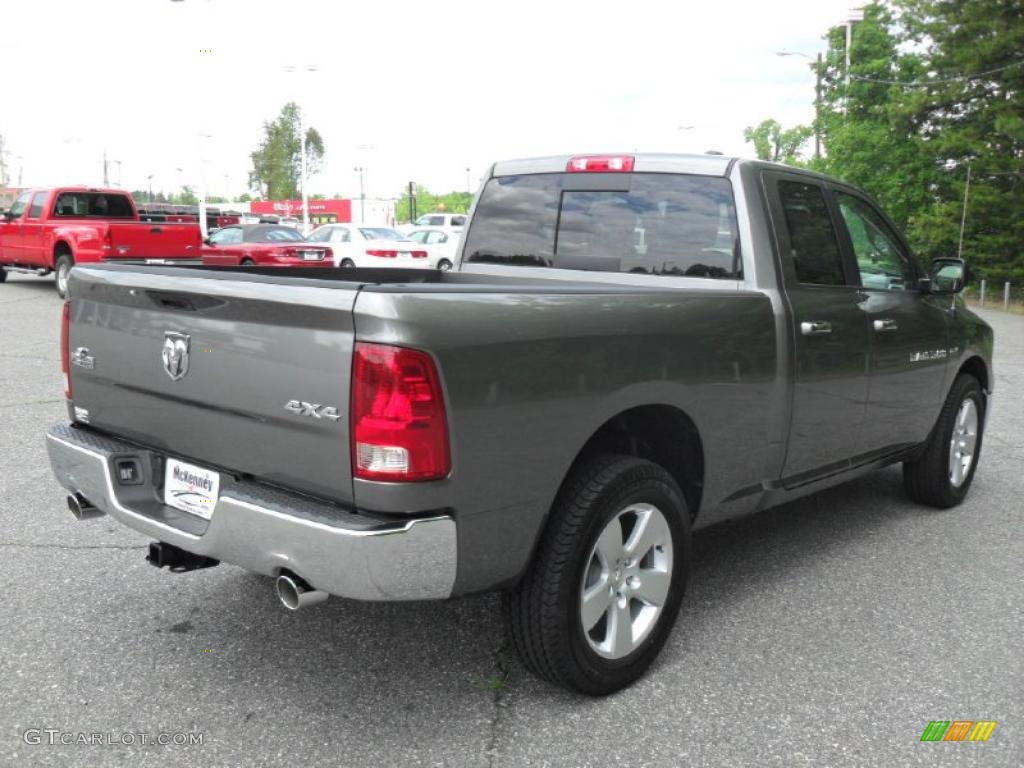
{"x":447,"y":220}
{"x":356,"y":246}
{"x":442,"y":245}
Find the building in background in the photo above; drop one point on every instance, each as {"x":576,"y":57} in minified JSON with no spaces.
{"x":339,"y":211}
{"x":7,"y":196}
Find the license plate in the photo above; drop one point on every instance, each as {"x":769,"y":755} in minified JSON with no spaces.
{"x":405,"y":254}
{"x":312,"y":256}
{"x":190,"y":488}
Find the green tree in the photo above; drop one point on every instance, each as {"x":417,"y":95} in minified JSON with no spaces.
{"x":277,"y":163}
{"x":970,"y":112}
{"x":775,"y":144}
{"x":426,"y":202}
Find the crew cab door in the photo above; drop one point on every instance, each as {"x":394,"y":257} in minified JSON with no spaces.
{"x":13,"y":241}
{"x":908,"y":329}
{"x":32,"y":235}
{"x":829,"y":357}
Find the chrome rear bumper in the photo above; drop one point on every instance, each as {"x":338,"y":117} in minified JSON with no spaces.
{"x":264,"y":529}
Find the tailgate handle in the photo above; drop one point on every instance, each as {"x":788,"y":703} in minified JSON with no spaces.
{"x":184,"y":302}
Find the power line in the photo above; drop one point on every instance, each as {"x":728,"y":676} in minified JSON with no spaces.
{"x":922,"y":83}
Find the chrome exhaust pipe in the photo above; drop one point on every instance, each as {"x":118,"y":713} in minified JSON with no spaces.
{"x":82,"y":508}
{"x":294,"y":593}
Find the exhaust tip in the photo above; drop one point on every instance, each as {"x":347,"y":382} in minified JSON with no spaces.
{"x":82,"y":508}
{"x":294,"y":593}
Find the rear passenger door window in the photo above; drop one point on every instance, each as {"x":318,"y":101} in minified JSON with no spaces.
{"x":35,"y":211}
{"x":813,"y":245}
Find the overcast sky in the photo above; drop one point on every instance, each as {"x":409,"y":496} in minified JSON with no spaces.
{"x":411,"y":91}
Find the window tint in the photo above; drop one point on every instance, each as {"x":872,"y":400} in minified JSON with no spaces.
{"x":664,"y":224}
{"x":229,"y":236}
{"x":881,"y":261}
{"x":38,"y":202}
{"x":19,"y":205}
{"x":380,"y":233}
{"x":274,"y":235}
{"x":458,"y":221}
{"x":812,"y":239}
{"x":98,"y":204}
{"x":435,"y":221}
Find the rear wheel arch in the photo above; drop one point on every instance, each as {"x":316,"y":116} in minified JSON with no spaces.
{"x":61,"y":248}
{"x":662,"y":434}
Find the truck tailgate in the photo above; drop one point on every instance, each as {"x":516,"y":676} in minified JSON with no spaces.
{"x":203,"y":365}
{"x":149,"y":240}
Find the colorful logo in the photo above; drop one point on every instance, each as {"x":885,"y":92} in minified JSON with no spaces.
{"x":958,"y":730}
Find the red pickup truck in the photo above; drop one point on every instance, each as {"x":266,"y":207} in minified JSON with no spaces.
{"x":50,"y":230}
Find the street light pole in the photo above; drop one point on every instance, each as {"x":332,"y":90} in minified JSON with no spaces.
{"x":469,"y":187}
{"x":362,"y":195}
{"x":817,"y":96}
{"x":150,"y":180}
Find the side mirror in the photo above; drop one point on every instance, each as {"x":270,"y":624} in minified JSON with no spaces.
{"x":8,"y":216}
{"x":948,"y":275}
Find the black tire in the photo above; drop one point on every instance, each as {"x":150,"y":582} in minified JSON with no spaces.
{"x":247,"y":263}
{"x":61,"y":267}
{"x":542,"y":613}
{"x":3,"y":274}
{"x":927,"y":479}
{"x":444,"y":265}
{"x":347,"y":263}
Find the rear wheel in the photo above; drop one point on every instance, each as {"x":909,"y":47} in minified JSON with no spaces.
{"x":943,"y":473}
{"x":444,"y":265}
{"x":62,"y":267}
{"x":347,"y":263}
{"x":247,"y":263}
{"x":603,"y":591}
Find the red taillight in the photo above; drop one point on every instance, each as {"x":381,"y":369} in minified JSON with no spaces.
{"x":399,"y":429}
{"x":383,"y":254}
{"x":600,"y":164}
{"x":65,"y":348}
{"x":419,"y":254}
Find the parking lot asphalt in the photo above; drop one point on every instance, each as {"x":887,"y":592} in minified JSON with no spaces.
{"x":829,"y":631}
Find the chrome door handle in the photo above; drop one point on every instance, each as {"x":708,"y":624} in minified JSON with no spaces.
{"x":881,"y":326}
{"x":815,"y":328}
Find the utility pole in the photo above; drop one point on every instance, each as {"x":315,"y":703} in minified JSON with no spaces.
{"x":469,"y":187}
{"x":963,"y":215}
{"x":3,"y":164}
{"x":150,"y":180}
{"x":817,"y":108}
{"x":106,"y":179}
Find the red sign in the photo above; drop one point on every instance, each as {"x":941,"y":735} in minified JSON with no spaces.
{"x":320,"y":211}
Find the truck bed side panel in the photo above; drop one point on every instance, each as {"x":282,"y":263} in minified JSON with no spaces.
{"x":530,"y":377}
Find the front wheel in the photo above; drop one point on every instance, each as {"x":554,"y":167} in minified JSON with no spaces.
{"x":603,"y":591}
{"x":444,"y":265}
{"x":62,"y":267}
{"x":347,"y":263}
{"x":247,"y":263}
{"x":943,"y":473}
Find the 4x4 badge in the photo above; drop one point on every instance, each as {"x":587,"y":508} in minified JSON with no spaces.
{"x":175,"y":354}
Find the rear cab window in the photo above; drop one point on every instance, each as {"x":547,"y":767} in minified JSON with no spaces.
{"x":649,"y":223}
{"x":102,"y":205}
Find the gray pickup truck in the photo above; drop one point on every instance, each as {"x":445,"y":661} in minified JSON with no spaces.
{"x":631,"y":347}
